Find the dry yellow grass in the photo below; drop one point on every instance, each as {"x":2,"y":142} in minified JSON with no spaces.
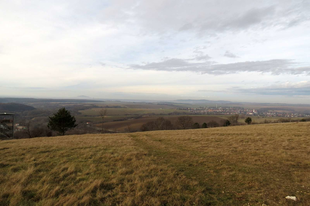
{"x":242,"y":165}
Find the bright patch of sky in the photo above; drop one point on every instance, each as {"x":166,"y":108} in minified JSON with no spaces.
{"x":235,"y":50}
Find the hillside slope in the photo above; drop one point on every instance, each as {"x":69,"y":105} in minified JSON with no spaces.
{"x":15,"y":107}
{"x":242,"y":165}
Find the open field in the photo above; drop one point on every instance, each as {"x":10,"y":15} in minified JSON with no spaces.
{"x":135,"y":124}
{"x":241,"y":165}
{"x":127,"y":111}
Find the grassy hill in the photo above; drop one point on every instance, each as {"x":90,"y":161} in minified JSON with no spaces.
{"x":241,"y":165}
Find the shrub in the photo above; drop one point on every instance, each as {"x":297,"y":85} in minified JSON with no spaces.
{"x":204,"y":125}
{"x":226,"y":123}
{"x":248,"y":120}
{"x":196,"y":125}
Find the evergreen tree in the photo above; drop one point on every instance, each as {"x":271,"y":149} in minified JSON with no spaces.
{"x":204,"y":125}
{"x":62,"y":121}
{"x":248,"y":120}
{"x":226,"y":123}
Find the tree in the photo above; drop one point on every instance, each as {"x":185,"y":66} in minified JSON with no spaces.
{"x":248,"y":120}
{"x":102,"y":113}
{"x":62,"y":121}
{"x":28,"y":132}
{"x":149,"y":126}
{"x":158,"y":124}
{"x":226,"y":123}
{"x":184,"y":122}
{"x":163,"y":124}
{"x":213,"y":124}
{"x":234,"y":119}
{"x":204,"y":125}
{"x":196,"y":125}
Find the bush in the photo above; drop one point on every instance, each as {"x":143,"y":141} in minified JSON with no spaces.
{"x":38,"y":131}
{"x":196,"y":125}
{"x":204,"y":125}
{"x":267,"y":121}
{"x":284,"y":120}
{"x":225,"y":123}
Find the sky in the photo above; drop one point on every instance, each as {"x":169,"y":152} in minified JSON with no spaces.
{"x":234,"y":50}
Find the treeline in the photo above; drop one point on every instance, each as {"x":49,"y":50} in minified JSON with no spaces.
{"x":283,"y":120}
{"x":32,"y":130}
{"x":183,"y":122}
{"x":186,"y":122}
{"x":39,"y":126}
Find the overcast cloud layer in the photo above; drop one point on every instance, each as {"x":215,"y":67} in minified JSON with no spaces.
{"x":236,"y":50}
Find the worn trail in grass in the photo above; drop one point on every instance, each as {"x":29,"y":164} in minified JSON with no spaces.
{"x":89,"y":170}
{"x":259,"y":165}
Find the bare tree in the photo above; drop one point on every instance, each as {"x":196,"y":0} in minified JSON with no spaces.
{"x":234,"y":119}
{"x":28,"y":132}
{"x":102,"y":113}
{"x":128,"y":128}
{"x":213,"y":124}
{"x":184,"y":122}
{"x":158,"y":124}
{"x":149,"y":126}
{"x":225,"y":122}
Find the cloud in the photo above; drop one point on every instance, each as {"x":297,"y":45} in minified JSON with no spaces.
{"x":230,"y":55}
{"x":71,"y":46}
{"x":205,"y":15}
{"x":242,"y":20}
{"x":202,"y":57}
{"x":275,"y":67}
{"x":287,"y":89}
{"x":170,"y":65}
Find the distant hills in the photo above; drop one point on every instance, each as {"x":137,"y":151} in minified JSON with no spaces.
{"x":14,"y":107}
{"x":34,"y":100}
{"x":204,"y":101}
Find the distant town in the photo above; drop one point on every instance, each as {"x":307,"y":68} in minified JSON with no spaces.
{"x":242,"y":111}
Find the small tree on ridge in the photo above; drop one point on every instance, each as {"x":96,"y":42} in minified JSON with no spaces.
{"x":62,"y":121}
